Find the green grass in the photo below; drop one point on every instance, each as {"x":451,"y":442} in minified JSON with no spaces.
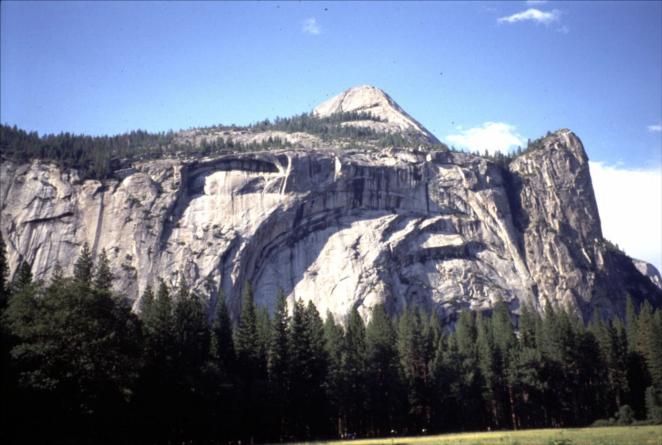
{"x":632,"y":435}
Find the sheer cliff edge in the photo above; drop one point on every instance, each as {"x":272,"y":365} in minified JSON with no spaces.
{"x":341,"y":227}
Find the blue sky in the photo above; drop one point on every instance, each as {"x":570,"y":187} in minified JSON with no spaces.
{"x":477,"y":74}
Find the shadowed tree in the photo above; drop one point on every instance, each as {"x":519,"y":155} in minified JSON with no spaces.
{"x":470,"y":379}
{"x":318,"y":364}
{"x":84,"y":266}
{"x":354,"y":365}
{"x":222,"y":344}
{"x":223,"y":380}
{"x":649,"y":344}
{"x":505,"y":344}
{"x":191,"y":353}
{"x":384,"y":389}
{"x":77,"y":354}
{"x":334,"y":337}
{"x":246,"y":341}
{"x":146,"y":302}
{"x":251,"y":368}
{"x":412,"y":350}
{"x":158,"y":379}
{"x":103,"y":279}
{"x":487,"y":358}
{"x":278,"y":366}
{"x":22,"y":278}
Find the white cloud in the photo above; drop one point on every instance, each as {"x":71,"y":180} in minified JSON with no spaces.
{"x":630,"y":205}
{"x":491,"y":136}
{"x":310,"y":26}
{"x":534,"y":15}
{"x":655,"y":128}
{"x":536,"y":2}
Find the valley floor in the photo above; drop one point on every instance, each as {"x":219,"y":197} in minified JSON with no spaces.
{"x":632,"y":435}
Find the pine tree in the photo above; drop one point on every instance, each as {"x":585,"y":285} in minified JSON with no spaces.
{"x":246,"y":342}
{"x":487,"y":358}
{"x":223,"y":381}
{"x":638,"y":377}
{"x":263,"y":324}
{"x":559,"y":346}
{"x":440,"y":377}
{"x":528,"y":322}
{"x":527,"y":371}
{"x":530,"y":375}
{"x":278,"y":364}
{"x":159,"y":325}
{"x":191,"y":351}
{"x":412,"y":349}
{"x":432,"y":331}
{"x":23,"y":302}
{"x":9,"y":399}
{"x":251,"y":368}
{"x":159,"y":390}
{"x":277,"y":357}
{"x":591,"y":375}
{"x":300,"y":372}
{"x":465,"y":334}
{"x":354,"y":365}
{"x":631,"y":323}
{"x":183,"y":291}
{"x":335,"y":380}
{"x":222,"y":344}
{"x":654,"y":404}
{"x":448,"y":388}
{"x":84,"y":266}
{"x":58,"y":275}
{"x":617,"y":362}
{"x":191,"y":331}
{"x":504,"y":335}
{"x":77,"y":351}
{"x":147,"y":302}
{"x":383,"y":373}
{"x":22,"y":278}
{"x":469,"y":391}
{"x":103,"y":280}
{"x":612,"y":354}
{"x":648,"y":343}
{"x":505,"y":344}
{"x":318,"y":368}
{"x":315,"y":329}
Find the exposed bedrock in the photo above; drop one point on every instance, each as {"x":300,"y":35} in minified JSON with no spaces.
{"x":344,"y":229}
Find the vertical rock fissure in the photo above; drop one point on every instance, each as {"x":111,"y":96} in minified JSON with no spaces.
{"x":97,"y":232}
{"x":446,"y":230}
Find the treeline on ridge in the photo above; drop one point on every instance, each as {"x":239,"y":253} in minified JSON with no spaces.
{"x":79,"y":366}
{"x":98,"y":156}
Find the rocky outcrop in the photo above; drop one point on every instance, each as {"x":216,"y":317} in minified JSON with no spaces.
{"x":375,"y":102}
{"x":649,"y":271}
{"x":556,"y":213}
{"x":341,"y":228}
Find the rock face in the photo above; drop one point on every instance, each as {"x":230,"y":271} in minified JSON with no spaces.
{"x":344,"y":229}
{"x":649,"y":271}
{"x":371,"y":100}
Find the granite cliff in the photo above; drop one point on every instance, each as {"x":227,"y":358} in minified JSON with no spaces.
{"x":341,"y":227}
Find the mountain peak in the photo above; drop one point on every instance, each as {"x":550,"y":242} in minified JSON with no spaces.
{"x":360,"y":96}
{"x":374,"y":101}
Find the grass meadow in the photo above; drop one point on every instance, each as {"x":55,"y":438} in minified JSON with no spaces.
{"x":621,"y":435}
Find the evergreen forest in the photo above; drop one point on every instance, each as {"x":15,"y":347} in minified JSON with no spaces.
{"x":97,"y":157}
{"x":79,"y":366}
